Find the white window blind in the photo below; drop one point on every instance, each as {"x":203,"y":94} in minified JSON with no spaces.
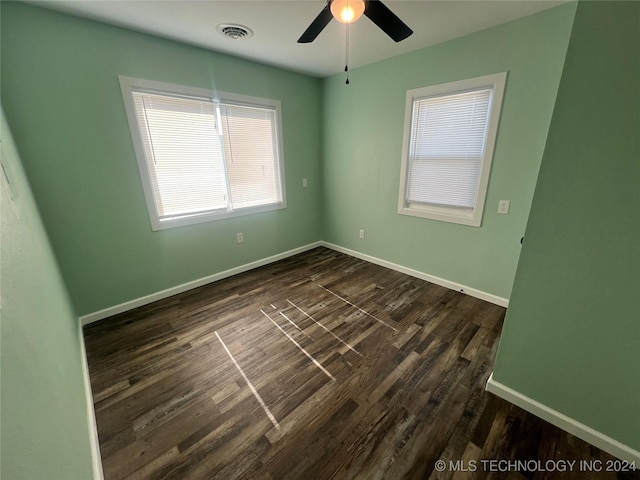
{"x":449,"y":137}
{"x":447,"y":145}
{"x":251,"y":166}
{"x":183,"y":153}
{"x":201,"y":158}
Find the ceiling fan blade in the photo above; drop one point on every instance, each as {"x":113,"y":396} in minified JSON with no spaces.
{"x":388,"y":21}
{"x":321,"y":21}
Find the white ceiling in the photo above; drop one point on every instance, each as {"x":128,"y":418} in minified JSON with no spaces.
{"x":277,"y":24}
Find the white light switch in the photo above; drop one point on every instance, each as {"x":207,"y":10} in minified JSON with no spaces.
{"x":304,"y":183}
{"x":503,"y":206}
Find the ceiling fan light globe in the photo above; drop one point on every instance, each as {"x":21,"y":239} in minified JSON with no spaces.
{"x":347,"y":11}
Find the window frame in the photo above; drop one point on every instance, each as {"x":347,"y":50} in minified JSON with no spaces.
{"x":464,"y":216}
{"x":130,"y":84}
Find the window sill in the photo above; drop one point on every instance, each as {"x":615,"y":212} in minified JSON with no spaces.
{"x":468,"y":216}
{"x":158,"y":224}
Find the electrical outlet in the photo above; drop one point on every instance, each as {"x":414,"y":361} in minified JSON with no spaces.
{"x":240,"y":237}
{"x":503,"y":206}
{"x":304,"y":183}
{"x":362,"y":233}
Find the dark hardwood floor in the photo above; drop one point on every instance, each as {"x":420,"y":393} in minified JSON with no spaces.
{"x":320,"y":366}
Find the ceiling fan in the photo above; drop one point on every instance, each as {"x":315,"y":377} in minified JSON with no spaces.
{"x":348,"y":11}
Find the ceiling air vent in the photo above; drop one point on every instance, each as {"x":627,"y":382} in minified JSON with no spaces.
{"x":235,"y":32}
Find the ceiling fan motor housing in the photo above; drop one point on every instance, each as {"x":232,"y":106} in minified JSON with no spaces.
{"x":375,"y":10}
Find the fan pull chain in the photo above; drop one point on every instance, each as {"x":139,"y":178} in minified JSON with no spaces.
{"x":346,"y":62}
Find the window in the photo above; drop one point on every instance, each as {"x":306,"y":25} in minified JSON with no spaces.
{"x":449,"y":135}
{"x":204,"y":155}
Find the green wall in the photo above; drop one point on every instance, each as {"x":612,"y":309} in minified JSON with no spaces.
{"x":45,"y":431}
{"x":363,"y":146}
{"x":571,"y":338}
{"x":62,"y":99}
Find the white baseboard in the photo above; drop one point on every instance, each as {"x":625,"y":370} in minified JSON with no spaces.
{"x":503,"y":302}
{"x":91,"y":414}
{"x":138,"y":302}
{"x":568,"y":424}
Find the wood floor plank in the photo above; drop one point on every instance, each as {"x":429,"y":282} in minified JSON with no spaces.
{"x":319,"y":366}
